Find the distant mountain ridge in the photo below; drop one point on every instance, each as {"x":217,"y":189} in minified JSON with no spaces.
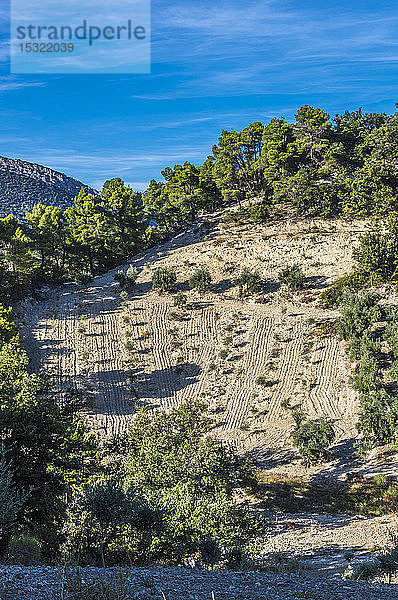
{"x":24,"y":184}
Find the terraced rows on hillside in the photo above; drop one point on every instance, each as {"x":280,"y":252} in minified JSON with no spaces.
{"x":147,"y":352}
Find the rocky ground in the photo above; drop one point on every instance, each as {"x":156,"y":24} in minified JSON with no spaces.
{"x":161,"y":583}
{"x":303,"y":556}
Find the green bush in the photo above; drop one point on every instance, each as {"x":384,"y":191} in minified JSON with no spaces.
{"x":259,"y":213}
{"x":47,"y":444}
{"x":201,"y":280}
{"x":378,"y":248}
{"x":173,"y":461}
{"x":313,"y":438}
{"x":367,"y":372}
{"x":24,"y":549}
{"x":164,"y":279}
{"x":248,"y":281}
{"x":378,"y":417}
{"x":8,"y":329}
{"x":180,"y":300}
{"x":359,"y":311}
{"x":331,"y":297}
{"x":131,"y":277}
{"x":391,"y":333}
{"x":210,"y":551}
{"x":127,"y":280}
{"x":292,"y":276}
{"x":106,"y":522}
{"x":83,"y":278}
{"x":120,"y":277}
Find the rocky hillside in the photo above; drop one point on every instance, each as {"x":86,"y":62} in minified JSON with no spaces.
{"x":247,"y":357}
{"x":23,"y":184}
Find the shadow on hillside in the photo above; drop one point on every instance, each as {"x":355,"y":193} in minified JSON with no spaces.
{"x":164,"y":383}
{"x":271,"y":458}
{"x":222,"y":286}
{"x":271,"y":286}
{"x":316,"y":282}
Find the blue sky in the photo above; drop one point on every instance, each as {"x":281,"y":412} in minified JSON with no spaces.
{"x":214,"y":65}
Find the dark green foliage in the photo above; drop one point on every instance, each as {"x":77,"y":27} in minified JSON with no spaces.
{"x":187,"y":191}
{"x":259,"y":213}
{"x":107,"y":522}
{"x":201,"y":280}
{"x":367,"y":372}
{"x":11,"y":499}
{"x":24,"y":549}
{"x":180,"y":300}
{"x":332,"y":296}
{"x":391,"y":333}
{"x":127,"y":280}
{"x":313,"y":438}
{"x":378,"y":419}
{"x":131,"y":277}
{"x":292,"y":276}
{"x":173,"y":462}
{"x":210,"y":551}
{"x":8,"y":329}
{"x":45,"y":444}
{"x":359,"y":311}
{"x":120,"y":277}
{"x":83,"y":278}
{"x":237,"y":168}
{"x":164,"y":279}
{"x":248,"y":281}
{"x":377,"y":252}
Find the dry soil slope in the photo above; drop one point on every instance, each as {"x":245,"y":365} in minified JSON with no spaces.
{"x":145,"y":352}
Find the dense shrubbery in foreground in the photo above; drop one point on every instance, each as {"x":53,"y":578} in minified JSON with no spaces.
{"x":170,"y":497}
{"x":45,"y":448}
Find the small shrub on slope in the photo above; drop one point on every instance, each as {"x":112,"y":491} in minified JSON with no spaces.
{"x":359,"y":311}
{"x":249,"y":282}
{"x":83,"y":278}
{"x":180,"y":300}
{"x":292,"y":276}
{"x":164,"y":279}
{"x":200,"y":280}
{"x":312,"y":439}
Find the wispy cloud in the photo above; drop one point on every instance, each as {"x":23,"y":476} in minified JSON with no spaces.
{"x":258,"y":46}
{"x":8,"y":83}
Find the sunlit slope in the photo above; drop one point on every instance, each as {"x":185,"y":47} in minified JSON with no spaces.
{"x":276,"y":349}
